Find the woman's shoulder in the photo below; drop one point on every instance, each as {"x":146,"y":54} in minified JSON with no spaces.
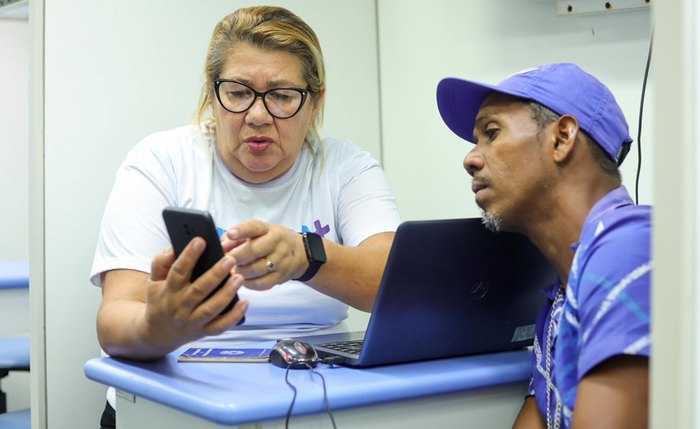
{"x":175,"y":148}
{"x":187,"y":136}
{"x":337,"y":144}
{"x":177,"y":142}
{"x":341,"y":150}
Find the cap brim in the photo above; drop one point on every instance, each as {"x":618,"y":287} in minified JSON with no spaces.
{"x":459,"y":101}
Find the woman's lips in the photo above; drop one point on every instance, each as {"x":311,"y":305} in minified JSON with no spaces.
{"x":258,"y":143}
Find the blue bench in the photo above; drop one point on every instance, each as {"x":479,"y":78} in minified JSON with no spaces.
{"x":16,"y":420}
{"x":14,"y":353}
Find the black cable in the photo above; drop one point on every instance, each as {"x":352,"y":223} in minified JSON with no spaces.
{"x":641,"y":110}
{"x":294,"y":398}
{"x":325,"y":394}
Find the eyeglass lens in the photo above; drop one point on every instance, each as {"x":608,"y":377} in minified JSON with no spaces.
{"x":281,"y":103}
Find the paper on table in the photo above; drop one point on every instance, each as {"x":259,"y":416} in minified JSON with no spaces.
{"x":201,"y":354}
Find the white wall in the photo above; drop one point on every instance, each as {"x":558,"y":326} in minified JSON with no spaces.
{"x":675,"y":375}
{"x":14,"y":128}
{"x":14,"y":187}
{"x":422,"y":42}
{"x":114,"y":72}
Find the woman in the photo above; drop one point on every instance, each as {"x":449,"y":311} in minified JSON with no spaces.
{"x":255,"y":162}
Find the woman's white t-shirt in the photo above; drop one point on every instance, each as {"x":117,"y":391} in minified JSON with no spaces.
{"x":334,"y":189}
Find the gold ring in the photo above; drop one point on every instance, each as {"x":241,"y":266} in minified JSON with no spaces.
{"x":271,"y":267}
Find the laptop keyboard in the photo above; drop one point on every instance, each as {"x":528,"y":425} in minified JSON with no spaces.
{"x":349,"y":347}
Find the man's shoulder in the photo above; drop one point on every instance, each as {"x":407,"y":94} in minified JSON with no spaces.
{"x":630,"y":222}
{"x":631,"y":213}
{"x":614,"y":246}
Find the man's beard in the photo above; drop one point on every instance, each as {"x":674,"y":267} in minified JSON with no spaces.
{"x":491,"y":221}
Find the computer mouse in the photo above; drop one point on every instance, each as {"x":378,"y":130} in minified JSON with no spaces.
{"x":295,"y":354}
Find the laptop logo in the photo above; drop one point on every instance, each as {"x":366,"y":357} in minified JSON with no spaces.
{"x":479,"y":290}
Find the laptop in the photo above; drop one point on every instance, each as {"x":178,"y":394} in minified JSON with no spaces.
{"x":450,"y":288}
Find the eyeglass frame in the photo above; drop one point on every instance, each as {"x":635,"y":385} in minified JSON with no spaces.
{"x":304,"y":94}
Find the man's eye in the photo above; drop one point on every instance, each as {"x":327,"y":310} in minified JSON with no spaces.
{"x":491,"y":133}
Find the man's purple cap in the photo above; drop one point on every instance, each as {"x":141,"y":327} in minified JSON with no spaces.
{"x":563,"y":88}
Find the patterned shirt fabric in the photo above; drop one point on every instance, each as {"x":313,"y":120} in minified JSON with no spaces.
{"x":603,"y":312}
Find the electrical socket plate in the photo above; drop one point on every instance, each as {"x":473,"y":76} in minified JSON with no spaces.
{"x":585,"y":7}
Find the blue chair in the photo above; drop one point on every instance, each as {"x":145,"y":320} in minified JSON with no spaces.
{"x":14,"y":356}
{"x":14,"y":351}
{"x":14,"y":273}
{"x":16,"y":420}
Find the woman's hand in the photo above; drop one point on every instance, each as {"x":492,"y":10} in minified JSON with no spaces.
{"x":270,"y":254}
{"x":178,"y":309}
{"x":147,"y":316}
{"x":267,"y":254}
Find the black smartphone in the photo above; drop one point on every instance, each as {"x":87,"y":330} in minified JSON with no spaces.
{"x":185,"y":224}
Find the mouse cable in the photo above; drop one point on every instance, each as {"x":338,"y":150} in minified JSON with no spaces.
{"x":294,"y":398}
{"x":641,"y":110}
{"x":325,"y":394}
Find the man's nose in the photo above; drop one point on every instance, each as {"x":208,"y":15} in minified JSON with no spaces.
{"x":473,"y":162}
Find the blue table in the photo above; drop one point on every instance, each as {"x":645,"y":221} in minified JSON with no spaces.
{"x":168,"y":393}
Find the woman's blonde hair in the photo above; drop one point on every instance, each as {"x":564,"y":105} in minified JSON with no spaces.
{"x":268,"y":28}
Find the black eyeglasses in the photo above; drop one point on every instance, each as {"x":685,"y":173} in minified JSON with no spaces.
{"x":281,"y":103}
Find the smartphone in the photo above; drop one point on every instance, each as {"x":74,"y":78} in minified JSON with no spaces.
{"x":185,"y":224}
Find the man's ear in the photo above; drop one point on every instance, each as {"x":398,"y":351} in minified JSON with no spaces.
{"x":565,"y":136}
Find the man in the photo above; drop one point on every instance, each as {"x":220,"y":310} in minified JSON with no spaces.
{"x":548,"y":143}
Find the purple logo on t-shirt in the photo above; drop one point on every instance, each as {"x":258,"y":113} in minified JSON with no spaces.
{"x":320,"y":230}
